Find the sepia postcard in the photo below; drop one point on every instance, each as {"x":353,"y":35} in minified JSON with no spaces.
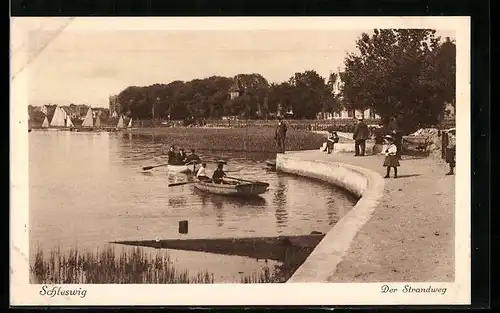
{"x":240,"y":161}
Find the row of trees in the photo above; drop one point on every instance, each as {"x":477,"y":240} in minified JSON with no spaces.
{"x":304,"y":93}
{"x":408,"y":74}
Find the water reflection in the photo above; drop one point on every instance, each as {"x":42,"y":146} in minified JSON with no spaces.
{"x":281,"y":213}
{"x":219,"y":212}
{"x":177,"y":202}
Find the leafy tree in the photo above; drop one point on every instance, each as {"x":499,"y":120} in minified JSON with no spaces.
{"x":405,"y":73}
{"x":309,"y":95}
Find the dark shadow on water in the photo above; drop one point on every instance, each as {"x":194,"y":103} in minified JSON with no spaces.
{"x":292,"y":251}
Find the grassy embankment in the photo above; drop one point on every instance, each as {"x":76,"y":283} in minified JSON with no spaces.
{"x":251,"y":139}
{"x":128,"y":267}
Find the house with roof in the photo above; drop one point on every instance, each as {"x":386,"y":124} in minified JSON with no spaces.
{"x":236,"y":90}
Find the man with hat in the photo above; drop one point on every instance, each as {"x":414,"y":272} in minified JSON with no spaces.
{"x":218,"y":175}
{"x":361,"y":134}
{"x":450,"y":151}
{"x":280,"y":135}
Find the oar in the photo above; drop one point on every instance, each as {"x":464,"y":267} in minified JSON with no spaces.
{"x":146,"y":168}
{"x":180,"y":184}
{"x":249,"y":181}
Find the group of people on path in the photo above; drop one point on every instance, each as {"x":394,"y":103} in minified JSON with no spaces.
{"x":388,"y":141}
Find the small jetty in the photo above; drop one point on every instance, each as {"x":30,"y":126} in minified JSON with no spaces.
{"x":271,"y":164}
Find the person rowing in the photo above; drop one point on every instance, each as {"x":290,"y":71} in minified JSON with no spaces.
{"x":219,"y":174}
{"x":202,"y":173}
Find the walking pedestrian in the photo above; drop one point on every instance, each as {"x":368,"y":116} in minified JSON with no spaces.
{"x":280,"y":135}
{"x":451,"y":151}
{"x":391,"y":158}
{"x":361,"y":134}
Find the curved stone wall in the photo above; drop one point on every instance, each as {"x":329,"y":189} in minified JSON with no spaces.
{"x":366,"y":184}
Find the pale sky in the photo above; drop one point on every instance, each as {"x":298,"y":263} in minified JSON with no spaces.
{"x":87,"y":62}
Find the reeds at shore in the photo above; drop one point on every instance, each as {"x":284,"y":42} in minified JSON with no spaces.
{"x":232,"y":139}
{"x":128,"y":267}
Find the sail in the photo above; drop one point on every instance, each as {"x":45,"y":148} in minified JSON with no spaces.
{"x":45,"y":123}
{"x":89,"y":120}
{"x":97,"y":121}
{"x":69,"y":123}
{"x":130,"y":123}
{"x":58,"y":120}
{"x":120,"y":122}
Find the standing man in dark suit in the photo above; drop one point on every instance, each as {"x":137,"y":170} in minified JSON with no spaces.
{"x":361,"y":134}
{"x":280,"y":135}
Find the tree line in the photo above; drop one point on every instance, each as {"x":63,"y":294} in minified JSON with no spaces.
{"x":407,"y":74}
{"x":304,"y":93}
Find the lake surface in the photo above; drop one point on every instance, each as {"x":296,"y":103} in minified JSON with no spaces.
{"x":87,"y":189}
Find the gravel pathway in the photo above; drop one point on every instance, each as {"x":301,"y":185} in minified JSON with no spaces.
{"x":410,"y":236}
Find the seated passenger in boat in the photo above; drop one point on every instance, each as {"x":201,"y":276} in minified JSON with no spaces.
{"x":192,"y":157}
{"x":202,"y":174}
{"x":181,"y":156}
{"x":219,"y":174}
{"x":172,"y":156}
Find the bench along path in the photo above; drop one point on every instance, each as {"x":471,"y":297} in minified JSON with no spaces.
{"x":410,"y":236}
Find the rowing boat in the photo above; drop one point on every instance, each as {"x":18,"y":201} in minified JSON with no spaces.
{"x":233,"y":188}
{"x":183,"y":168}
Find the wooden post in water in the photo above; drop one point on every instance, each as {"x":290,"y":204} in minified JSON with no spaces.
{"x":183,"y":227}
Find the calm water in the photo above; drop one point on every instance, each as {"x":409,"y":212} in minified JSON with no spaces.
{"x":87,"y":189}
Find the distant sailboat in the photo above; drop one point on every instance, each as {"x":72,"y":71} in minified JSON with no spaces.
{"x":45,"y":123}
{"x":97,"y":121}
{"x":89,"y":120}
{"x":120,"y":122}
{"x":69,"y":123}
{"x":130,"y":123}
{"x":58,"y":120}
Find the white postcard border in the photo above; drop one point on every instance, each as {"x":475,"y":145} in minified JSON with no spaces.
{"x":22,"y":293}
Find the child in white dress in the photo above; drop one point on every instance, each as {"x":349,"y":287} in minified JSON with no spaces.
{"x":391,"y":156}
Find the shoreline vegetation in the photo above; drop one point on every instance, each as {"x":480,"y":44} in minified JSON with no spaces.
{"x":108,"y":266}
{"x":253,"y":139}
{"x":234,"y":139}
